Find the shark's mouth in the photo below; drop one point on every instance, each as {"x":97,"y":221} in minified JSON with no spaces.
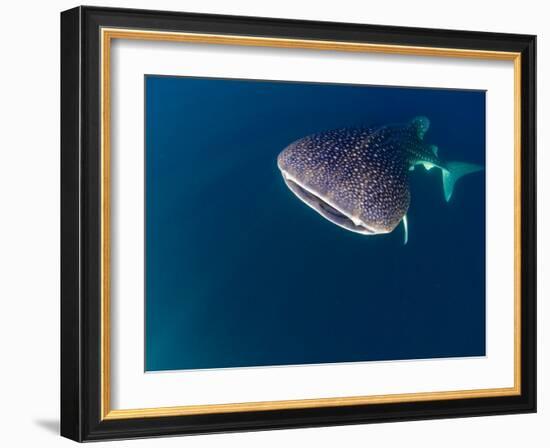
{"x":326,"y":209}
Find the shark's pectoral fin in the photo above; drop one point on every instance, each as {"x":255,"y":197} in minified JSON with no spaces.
{"x":454,"y":171}
{"x":405,"y":229}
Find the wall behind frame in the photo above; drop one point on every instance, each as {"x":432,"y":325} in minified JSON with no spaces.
{"x":29,"y":230}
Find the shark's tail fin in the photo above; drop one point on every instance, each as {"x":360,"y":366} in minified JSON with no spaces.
{"x":454,"y":171}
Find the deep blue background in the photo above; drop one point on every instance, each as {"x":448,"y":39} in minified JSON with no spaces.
{"x":239,"y":272}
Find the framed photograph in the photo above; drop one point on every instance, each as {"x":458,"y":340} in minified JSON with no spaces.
{"x":274,"y":224}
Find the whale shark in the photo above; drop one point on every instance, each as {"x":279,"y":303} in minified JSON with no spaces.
{"x":359,"y":178}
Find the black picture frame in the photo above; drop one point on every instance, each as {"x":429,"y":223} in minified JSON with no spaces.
{"x":81,"y":224}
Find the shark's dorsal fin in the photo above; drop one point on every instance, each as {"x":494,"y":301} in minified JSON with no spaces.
{"x":421,"y":124}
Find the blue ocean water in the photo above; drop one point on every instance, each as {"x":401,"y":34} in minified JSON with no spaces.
{"x":239,"y":272}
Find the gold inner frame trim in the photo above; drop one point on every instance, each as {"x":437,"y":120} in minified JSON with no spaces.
{"x":107,"y":35}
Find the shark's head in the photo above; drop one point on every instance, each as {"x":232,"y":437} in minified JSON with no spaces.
{"x":327,"y":207}
{"x":345,"y":184}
